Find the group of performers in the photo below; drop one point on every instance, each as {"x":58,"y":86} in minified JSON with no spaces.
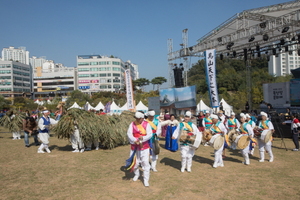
{"x":219,"y":132}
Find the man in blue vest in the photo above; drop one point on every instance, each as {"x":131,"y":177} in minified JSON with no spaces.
{"x":44,"y":123}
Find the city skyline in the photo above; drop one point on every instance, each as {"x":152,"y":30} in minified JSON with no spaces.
{"x":130,"y":30}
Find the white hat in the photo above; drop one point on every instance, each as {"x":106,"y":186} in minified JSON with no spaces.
{"x":232,"y":113}
{"x":45,"y":111}
{"x":263,"y":114}
{"x":188,"y":114}
{"x":243,"y":115}
{"x":213,"y":116}
{"x":151,"y":113}
{"x":248,"y":116}
{"x":139,"y":115}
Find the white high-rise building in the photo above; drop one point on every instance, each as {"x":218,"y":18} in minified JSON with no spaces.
{"x":37,"y":62}
{"x":284,"y":63}
{"x":18,"y":55}
{"x":100,"y":73}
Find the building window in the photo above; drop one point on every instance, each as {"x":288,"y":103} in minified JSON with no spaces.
{"x":94,"y":75}
{"x":83,"y":63}
{"x":108,"y":80}
{"x":83,"y":69}
{"x":102,"y":63}
{"x":103,"y":86}
{"x":108,"y":74}
{"x":5,"y":71}
{"x":83,"y":75}
{"x":4,"y":66}
{"x":93,"y":69}
{"x":116,"y":75}
{"x":116,"y":69}
{"x":117,"y":86}
{"x":116,"y":80}
{"x":102,"y":75}
{"x":115,"y":63}
{"x":93,"y":63}
{"x":5,"y":89}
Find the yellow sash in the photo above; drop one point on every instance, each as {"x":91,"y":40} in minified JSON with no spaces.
{"x":263,"y":123}
{"x":232,"y":121}
{"x":153,"y":126}
{"x":242,"y":129}
{"x":188,"y":126}
{"x":217,"y":129}
{"x":141,"y":128}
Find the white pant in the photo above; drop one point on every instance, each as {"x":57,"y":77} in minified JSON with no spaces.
{"x":218,"y":155}
{"x":262,"y":146}
{"x":187,"y":154}
{"x":44,"y":137}
{"x":89,"y":143}
{"x":76,"y":140}
{"x":245,"y":153}
{"x":16,"y":135}
{"x":142,"y":157}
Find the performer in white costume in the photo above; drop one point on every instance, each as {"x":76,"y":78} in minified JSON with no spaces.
{"x":139,"y":133}
{"x":187,"y":151}
{"x":265,"y":124}
{"x":77,"y":143}
{"x":247,"y":130}
{"x":218,"y":128}
{"x":156,"y":131}
{"x":44,"y":123}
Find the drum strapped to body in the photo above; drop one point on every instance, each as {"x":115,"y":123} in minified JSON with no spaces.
{"x":217,"y":141}
{"x":232,"y":135}
{"x":190,"y":138}
{"x":242,"y":141}
{"x":257,"y":131}
{"x":266,"y":136}
{"x":206,"y":135}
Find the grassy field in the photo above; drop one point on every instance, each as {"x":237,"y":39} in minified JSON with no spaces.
{"x":25,"y":174}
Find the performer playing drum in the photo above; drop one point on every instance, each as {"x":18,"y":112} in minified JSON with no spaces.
{"x":253,"y":142}
{"x":218,"y":128}
{"x":265,"y":125}
{"x":187,"y":151}
{"x":246,"y":129}
{"x":206,"y":122}
{"x":156,"y":131}
{"x":139,"y":133}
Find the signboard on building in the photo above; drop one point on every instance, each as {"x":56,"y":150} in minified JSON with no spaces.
{"x":277,"y":94}
{"x":83,"y":87}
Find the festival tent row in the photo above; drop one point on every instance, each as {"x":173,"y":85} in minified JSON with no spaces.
{"x":113,"y":107}
{"x":226,"y":107}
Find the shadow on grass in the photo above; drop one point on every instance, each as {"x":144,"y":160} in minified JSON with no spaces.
{"x":128,"y":175}
{"x":171,"y":162}
{"x":203,"y":160}
{"x":65,"y":148}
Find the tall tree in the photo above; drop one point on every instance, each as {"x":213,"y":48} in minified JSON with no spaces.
{"x":158,"y":81}
{"x":141,"y":82}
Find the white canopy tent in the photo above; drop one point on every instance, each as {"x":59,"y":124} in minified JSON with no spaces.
{"x":114,"y":109}
{"x":88,"y":106}
{"x":99,"y":106}
{"x":39,"y":102}
{"x":203,"y":107}
{"x":142,"y":107}
{"x":226,"y":107}
{"x":124,"y":107}
{"x":75,"y":105}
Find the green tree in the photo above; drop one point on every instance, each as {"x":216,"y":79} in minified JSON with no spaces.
{"x":141,"y":82}
{"x":158,"y":81}
{"x":79,"y":97}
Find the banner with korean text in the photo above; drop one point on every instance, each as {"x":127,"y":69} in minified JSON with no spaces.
{"x":210,"y":69}
{"x":129,"y":90}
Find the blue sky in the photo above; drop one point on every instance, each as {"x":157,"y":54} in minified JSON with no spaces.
{"x":135,"y":30}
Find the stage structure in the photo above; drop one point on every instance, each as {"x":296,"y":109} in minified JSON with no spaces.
{"x":269,"y":30}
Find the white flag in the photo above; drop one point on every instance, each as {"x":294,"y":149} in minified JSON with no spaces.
{"x":210,"y":58}
{"x":129,"y":90}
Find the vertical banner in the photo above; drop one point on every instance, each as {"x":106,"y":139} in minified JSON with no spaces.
{"x":210,"y":68}
{"x":129,"y":90}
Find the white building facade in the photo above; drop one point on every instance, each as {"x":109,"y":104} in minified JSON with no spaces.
{"x":100,"y":73}
{"x":15,"y":78}
{"x":19,"y":55}
{"x":283,"y":63}
{"x":37,"y":62}
{"x":54,"y":78}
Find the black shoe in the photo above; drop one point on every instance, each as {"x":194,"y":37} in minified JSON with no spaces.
{"x":37,"y":144}
{"x":27,"y":146}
